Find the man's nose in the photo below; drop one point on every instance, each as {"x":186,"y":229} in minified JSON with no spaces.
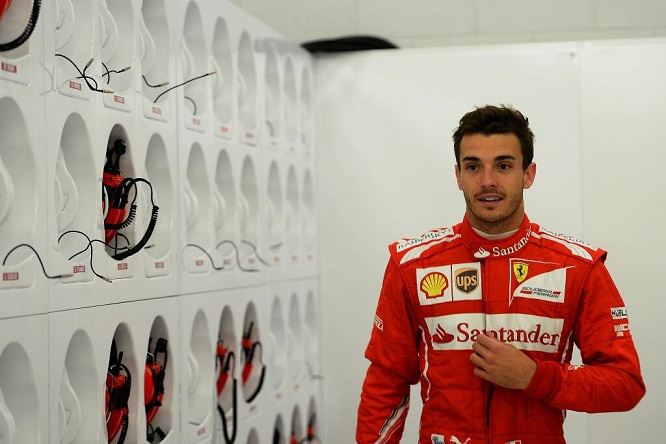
{"x":488,"y":178}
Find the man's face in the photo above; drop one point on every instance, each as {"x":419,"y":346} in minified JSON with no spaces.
{"x":492,"y":179}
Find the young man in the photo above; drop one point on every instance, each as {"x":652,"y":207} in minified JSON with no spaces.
{"x":485,"y":313}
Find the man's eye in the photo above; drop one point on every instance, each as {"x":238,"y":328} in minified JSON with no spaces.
{"x":504,"y":166}
{"x":472,"y":167}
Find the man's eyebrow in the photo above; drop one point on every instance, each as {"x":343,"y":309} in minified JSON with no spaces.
{"x":497,"y":159}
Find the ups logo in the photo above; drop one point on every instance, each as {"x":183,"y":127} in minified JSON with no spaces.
{"x":467,"y":279}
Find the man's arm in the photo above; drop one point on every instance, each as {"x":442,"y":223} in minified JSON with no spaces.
{"x":610,"y":379}
{"x":394,"y":365}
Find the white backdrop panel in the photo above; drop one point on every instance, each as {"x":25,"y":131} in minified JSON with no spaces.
{"x":624,"y":110}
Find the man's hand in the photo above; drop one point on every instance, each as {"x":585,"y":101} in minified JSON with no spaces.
{"x":502,"y":364}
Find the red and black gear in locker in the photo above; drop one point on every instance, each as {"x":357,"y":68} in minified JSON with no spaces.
{"x":153,"y":386}
{"x":249,"y":349}
{"x":118,"y":386}
{"x":116,"y":191}
{"x":4,"y":5}
{"x":225,"y":361}
{"x":29,"y":27}
{"x":310,"y":435}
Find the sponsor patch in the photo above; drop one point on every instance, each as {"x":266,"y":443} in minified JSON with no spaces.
{"x":526,"y":332}
{"x":467,"y":281}
{"x":621,"y":319}
{"x":432,"y":285}
{"x":482,"y":253}
{"x":427,"y":237}
{"x":379,"y":323}
{"x":621,"y":330}
{"x":619,"y":313}
{"x":568,"y":239}
{"x":506,"y":250}
{"x":520,"y":270}
{"x":437,"y":439}
{"x":545,"y":281}
{"x":458,"y":282}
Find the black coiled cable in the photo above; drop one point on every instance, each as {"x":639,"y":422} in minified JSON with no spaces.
{"x":229,"y":439}
{"x":144,"y":240}
{"x":131,"y":214}
{"x":123,"y":430}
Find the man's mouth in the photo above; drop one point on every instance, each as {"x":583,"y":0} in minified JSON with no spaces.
{"x":489,"y":199}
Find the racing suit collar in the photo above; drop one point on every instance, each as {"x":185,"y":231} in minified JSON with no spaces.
{"x":482,"y":248}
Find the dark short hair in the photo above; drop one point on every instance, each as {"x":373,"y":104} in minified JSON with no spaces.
{"x":490,"y":120}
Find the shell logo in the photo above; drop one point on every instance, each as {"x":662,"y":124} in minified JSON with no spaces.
{"x":433,"y":285}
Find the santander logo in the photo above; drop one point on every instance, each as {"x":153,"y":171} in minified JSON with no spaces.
{"x":442,"y":337}
{"x":526,"y":332}
{"x":482,"y":253}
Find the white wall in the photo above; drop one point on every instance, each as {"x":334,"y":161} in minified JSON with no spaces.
{"x":421,"y":23}
{"x":386,"y":171}
{"x":623,"y":112}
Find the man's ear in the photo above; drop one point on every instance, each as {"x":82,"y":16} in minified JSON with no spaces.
{"x":529,"y":175}
{"x":456,"y":167}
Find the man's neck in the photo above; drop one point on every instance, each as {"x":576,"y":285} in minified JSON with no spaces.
{"x":492,"y":237}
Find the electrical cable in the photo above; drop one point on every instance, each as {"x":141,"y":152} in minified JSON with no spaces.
{"x":194,"y":104}
{"x":115,"y":245}
{"x":226,"y":370}
{"x":249,"y":349}
{"x":27,"y":32}
{"x":152,"y":431}
{"x":57,"y":276}
{"x":86,"y":78}
{"x":154,"y":375}
{"x":159,"y":85}
{"x":234,"y":396}
{"x":85,"y":68}
{"x":109,"y":71}
{"x":238,"y":261}
{"x":144,"y":240}
{"x":92,"y":269}
{"x":210,"y":258}
{"x":182,"y":84}
{"x":256,"y":253}
{"x":118,"y":386}
{"x":118,"y":189}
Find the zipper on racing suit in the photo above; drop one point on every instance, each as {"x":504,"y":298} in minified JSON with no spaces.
{"x":489,"y":398}
{"x":489,"y":388}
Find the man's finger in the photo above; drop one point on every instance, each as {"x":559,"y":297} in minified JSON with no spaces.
{"x":486,"y":340}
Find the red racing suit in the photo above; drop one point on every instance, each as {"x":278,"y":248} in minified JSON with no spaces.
{"x":540,"y":291}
